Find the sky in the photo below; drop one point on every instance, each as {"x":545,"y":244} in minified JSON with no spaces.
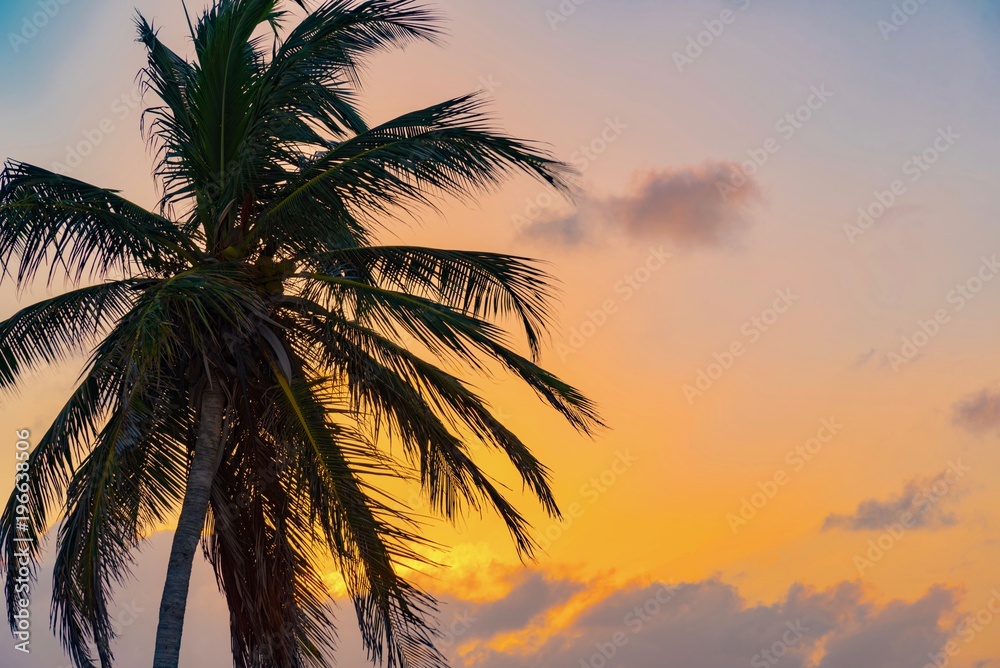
{"x":781,"y":284}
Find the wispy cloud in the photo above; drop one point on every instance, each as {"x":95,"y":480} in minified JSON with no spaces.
{"x":979,"y":412}
{"x":921,"y":503}
{"x":864,"y":358}
{"x":683,"y":206}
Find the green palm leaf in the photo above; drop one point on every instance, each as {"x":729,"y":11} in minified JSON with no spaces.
{"x":50,"y":219}
{"x":484,"y":285}
{"x":53,"y":329}
{"x":447,"y":149}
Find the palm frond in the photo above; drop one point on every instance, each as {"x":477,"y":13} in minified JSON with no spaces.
{"x":369,"y":539}
{"x":202,"y":130}
{"x":418,"y":401}
{"x":110,"y":507}
{"x":450,"y":334}
{"x":447,"y":149}
{"x":263,"y":548}
{"x":484,"y":285}
{"x":50,"y":219}
{"x":311,"y":79}
{"x":51,"y":330}
{"x":334,"y":40}
{"x":122,"y":478}
{"x":170,"y":127}
{"x":51,"y":463}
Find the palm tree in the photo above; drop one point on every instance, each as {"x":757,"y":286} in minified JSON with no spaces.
{"x":252,"y":349}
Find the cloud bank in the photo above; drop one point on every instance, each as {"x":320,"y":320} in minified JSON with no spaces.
{"x":555,"y":621}
{"x":707,"y":624}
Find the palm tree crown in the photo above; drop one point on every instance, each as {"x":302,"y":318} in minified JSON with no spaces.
{"x":250,"y":341}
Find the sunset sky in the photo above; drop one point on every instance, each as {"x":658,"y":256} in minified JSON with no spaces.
{"x":780,"y":282}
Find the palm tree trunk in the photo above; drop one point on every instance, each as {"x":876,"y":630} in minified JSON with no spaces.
{"x":205,"y":463}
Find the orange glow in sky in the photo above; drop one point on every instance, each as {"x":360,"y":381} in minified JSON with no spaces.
{"x":779,"y":282}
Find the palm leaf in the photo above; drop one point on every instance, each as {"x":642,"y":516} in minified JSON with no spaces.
{"x":53,"y":329}
{"x":451,"y":334}
{"x":47,"y":218}
{"x":449,"y":149}
{"x":368,"y":538}
{"x":418,"y":401}
{"x":484,"y":285}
